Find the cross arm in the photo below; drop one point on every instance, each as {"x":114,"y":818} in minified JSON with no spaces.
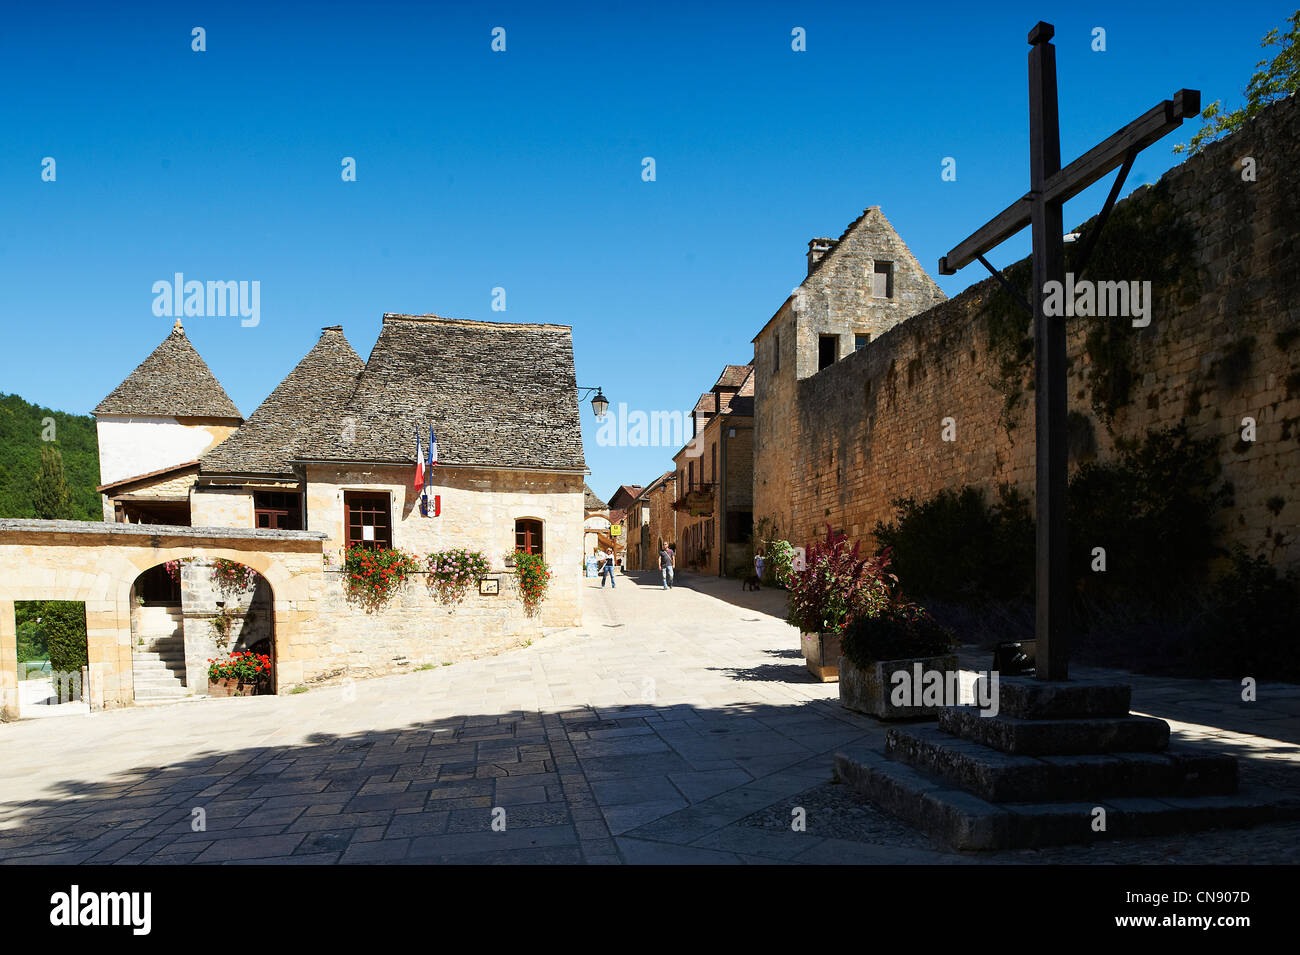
{"x":1077,"y":176}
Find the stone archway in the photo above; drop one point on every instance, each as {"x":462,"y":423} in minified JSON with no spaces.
{"x":188,"y":611}
{"x":98,"y":564}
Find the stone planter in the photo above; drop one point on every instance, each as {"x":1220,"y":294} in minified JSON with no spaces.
{"x":231,"y":688}
{"x":871,"y":690}
{"x":822,"y":653}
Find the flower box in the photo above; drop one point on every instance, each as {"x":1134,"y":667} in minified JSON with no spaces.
{"x":228,"y":687}
{"x":871,"y":690}
{"x":822,"y":653}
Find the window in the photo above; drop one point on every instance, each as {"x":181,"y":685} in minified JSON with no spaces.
{"x":366,"y":519}
{"x":883,"y":281}
{"x":528,"y":535}
{"x":740,"y":525}
{"x":277,"y":509}
{"x":860,"y":341}
{"x":690,"y":471}
{"x":776,"y":352}
{"x":713,"y":450}
{"x":827,"y":346}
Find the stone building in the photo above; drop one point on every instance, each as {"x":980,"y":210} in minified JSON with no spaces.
{"x":715,"y":477}
{"x":326,"y":462}
{"x":1218,"y":356}
{"x":154,"y":427}
{"x":857,"y":287}
{"x":651,"y":522}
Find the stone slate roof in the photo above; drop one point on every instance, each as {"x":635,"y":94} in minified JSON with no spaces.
{"x":172,"y":381}
{"x":498,"y":394}
{"x":591,"y":500}
{"x":733,"y":376}
{"x":267,"y":441}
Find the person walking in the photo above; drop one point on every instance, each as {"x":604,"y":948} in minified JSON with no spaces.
{"x":666,"y":565}
{"x":758,"y":565}
{"x":608,"y":570}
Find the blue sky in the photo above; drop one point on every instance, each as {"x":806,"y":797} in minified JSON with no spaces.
{"x":522,"y":169}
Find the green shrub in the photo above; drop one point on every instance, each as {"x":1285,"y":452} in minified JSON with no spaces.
{"x":1250,"y":629}
{"x":64,"y":622}
{"x":1153,"y":511}
{"x":955,"y":547}
{"x":900,"y":632}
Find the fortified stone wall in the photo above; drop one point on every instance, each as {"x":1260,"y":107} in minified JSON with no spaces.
{"x":1223,"y":345}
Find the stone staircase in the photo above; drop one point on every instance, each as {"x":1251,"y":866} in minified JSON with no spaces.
{"x":159,"y":669}
{"x":1047,"y":766}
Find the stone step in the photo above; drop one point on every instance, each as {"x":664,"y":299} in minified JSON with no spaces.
{"x":147,"y":693}
{"x":1005,"y":777}
{"x":148,"y":665}
{"x":156,"y":673}
{"x":1028,"y":698}
{"x":1057,"y":737}
{"x":965,"y":821}
{"x":166,"y":656}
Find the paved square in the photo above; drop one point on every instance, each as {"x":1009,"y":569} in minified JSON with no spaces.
{"x":676,"y":726}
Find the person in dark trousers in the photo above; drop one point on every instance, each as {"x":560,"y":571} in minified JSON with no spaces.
{"x":608,"y":570}
{"x":666,"y":565}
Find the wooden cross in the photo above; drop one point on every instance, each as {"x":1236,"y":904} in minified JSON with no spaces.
{"x":1049,"y":188}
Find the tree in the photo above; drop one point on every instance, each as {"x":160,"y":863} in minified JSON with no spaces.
{"x":50,"y":495}
{"x":1276,"y":80}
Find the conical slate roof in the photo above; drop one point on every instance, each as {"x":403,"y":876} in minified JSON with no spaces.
{"x":320,"y":383}
{"x":172,"y":381}
{"x":498,"y":394}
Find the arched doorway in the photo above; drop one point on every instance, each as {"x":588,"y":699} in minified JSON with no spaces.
{"x":188,"y":611}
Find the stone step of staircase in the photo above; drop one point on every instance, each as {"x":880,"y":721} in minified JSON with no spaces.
{"x":966,"y":821}
{"x":166,"y":656}
{"x":158,"y":669}
{"x":1006,"y":777}
{"x":148,"y":694}
{"x":1056,"y":737}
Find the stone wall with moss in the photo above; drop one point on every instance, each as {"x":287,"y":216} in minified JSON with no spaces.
{"x":1223,"y":345}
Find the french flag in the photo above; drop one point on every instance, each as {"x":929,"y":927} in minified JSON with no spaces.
{"x":419,"y":462}
{"x":433,"y":449}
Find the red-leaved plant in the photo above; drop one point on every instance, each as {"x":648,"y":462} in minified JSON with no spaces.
{"x":836,"y":585}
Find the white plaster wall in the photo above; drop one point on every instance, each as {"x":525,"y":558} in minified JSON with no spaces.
{"x":132,"y":446}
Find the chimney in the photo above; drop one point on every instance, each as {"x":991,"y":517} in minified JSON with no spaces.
{"x":817,"y":250}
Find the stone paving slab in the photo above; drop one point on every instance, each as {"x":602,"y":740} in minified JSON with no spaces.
{"x":675,"y":727}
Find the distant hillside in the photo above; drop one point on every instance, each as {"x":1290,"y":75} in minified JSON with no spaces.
{"x":21,"y":425}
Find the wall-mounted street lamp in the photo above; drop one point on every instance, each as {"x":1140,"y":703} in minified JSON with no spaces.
{"x":599,"y":404}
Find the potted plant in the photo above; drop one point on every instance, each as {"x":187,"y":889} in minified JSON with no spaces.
{"x":895,"y":664}
{"x":833,"y":586}
{"x":239,"y":674}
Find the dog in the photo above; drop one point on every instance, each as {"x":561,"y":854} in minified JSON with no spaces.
{"x":751,"y":583}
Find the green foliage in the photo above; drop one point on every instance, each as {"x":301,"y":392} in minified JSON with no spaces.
{"x":32,"y":643}
{"x":1272,"y":81}
{"x":50,"y":495}
{"x":899,"y":632}
{"x":955,"y":547}
{"x":372,"y":575}
{"x":778,"y":562}
{"x":1250,"y":629}
{"x":22,"y":426}
{"x":229,"y":577}
{"x":60,"y":625}
{"x":1153,"y":510}
{"x":452,"y":571}
{"x":534,"y":577}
